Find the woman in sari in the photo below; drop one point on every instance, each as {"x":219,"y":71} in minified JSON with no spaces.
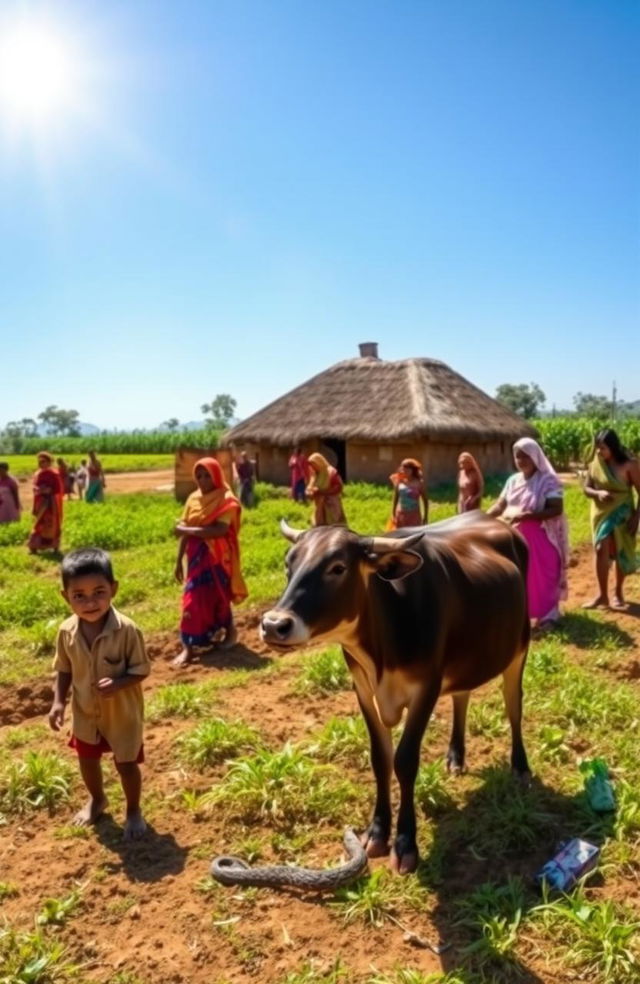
{"x":613,"y":474}
{"x":95,"y":480}
{"x":299,"y":470}
{"x":470,"y":483}
{"x":208,"y":532}
{"x":47,"y":506}
{"x":408,"y":493}
{"x":532,"y":501}
{"x":9,"y":496}
{"x":325,"y":489}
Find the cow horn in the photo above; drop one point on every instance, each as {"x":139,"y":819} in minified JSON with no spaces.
{"x":385,"y":544}
{"x":288,"y":531}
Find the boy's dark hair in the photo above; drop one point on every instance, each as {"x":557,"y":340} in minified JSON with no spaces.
{"x":87,"y":560}
{"x":5,"y":465}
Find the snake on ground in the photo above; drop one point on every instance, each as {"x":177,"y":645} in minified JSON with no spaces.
{"x":233,"y":871}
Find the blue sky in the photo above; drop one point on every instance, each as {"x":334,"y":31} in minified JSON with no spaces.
{"x":252,"y":188}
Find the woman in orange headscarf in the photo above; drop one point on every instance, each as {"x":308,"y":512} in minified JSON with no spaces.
{"x":470,"y":483}
{"x":47,"y":506}
{"x":325,"y":489}
{"x":208,"y":532}
{"x":408,"y":491}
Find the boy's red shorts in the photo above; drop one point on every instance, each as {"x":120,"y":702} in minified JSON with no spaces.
{"x":87,"y":751}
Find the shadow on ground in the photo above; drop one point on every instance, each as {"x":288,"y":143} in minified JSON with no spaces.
{"x":482,"y":866}
{"x":150,"y":859}
{"x":586,"y":632}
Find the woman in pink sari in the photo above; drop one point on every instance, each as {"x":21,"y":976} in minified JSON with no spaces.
{"x":532,"y":502}
{"x":9,"y":496}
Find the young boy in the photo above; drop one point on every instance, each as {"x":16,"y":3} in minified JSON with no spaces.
{"x":100,"y":655}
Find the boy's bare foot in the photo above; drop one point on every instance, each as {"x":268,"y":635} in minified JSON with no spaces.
{"x":90,"y":812}
{"x":619,"y":604}
{"x":598,"y":602}
{"x":134,"y":827}
{"x":183,"y":658}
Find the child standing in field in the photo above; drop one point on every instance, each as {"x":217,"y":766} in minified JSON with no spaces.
{"x":82,"y":476}
{"x":100,"y":656}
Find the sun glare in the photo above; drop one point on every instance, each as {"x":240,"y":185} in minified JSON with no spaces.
{"x":38,"y":72}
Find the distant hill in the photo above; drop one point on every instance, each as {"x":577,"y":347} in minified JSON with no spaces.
{"x":191,"y":425}
{"x":86,"y":430}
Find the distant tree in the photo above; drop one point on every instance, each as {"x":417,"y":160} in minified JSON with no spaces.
{"x":58,"y":421}
{"x":525,"y":399}
{"x":220,"y":412}
{"x":590,"y":405}
{"x":27,"y":427}
{"x":172,"y":424}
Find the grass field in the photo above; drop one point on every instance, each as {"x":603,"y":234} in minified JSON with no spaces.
{"x":136,"y":529}
{"x":269,"y":760}
{"x":24,"y":465}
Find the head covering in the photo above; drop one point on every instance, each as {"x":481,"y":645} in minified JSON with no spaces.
{"x":473,"y":466}
{"x":322,"y":471}
{"x":204,"y":508}
{"x":533,"y":450}
{"x":45,"y":454}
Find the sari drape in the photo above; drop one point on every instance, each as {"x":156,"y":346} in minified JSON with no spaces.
{"x":610,"y":519}
{"x":9,"y":511}
{"x":470,"y":483}
{"x":325,"y":488}
{"x":214,"y":578}
{"x":47,"y":510}
{"x":548,"y":539}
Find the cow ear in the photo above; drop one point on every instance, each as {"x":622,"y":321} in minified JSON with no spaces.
{"x":397,"y":564}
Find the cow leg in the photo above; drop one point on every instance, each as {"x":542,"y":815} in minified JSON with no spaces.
{"x":512,"y":690}
{"x":455,"y":753}
{"x":404,"y":857}
{"x":376,"y":837}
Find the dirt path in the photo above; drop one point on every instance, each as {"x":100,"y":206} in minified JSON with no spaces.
{"x":117,"y":484}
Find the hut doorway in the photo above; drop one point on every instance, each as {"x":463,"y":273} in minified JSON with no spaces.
{"x":339,"y":450}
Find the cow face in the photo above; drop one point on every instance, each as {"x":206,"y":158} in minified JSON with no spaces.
{"x":327,"y":574}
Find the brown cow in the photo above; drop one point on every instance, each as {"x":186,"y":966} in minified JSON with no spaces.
{"x":419,"y":613}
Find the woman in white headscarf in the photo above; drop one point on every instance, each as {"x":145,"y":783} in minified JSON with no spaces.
{"x":532,"y":501}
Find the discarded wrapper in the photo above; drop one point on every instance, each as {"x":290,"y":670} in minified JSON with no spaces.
{"x":573,"y":860}
{"x":598,"y":786}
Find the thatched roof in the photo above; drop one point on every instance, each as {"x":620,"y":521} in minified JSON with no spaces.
{"x":369,"y":399}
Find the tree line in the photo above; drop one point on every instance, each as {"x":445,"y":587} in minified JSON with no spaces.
{"x":528,"y":400}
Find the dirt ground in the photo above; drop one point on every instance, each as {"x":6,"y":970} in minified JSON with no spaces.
{"x":142,"y":912}
{"x":118,"y":483}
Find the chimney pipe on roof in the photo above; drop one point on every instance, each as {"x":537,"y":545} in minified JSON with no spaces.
{"x":368,"y":350}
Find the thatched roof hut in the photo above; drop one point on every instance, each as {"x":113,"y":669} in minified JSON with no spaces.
{"x":368,"y":413}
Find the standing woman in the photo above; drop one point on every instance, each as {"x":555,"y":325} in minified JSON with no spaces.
{"x":532,"y":501}
{"x":300,"y":474}
{"x":208,"y":532}
{"x":9,"y":496}
{"x":325,"y":489}
{"x":470,"y":483}
{"x":95,"y":480}
{"x":48,"y":496}
{"x":408,"y":492}
{"x":613,"y":474}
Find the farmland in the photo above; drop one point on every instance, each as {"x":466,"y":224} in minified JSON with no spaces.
{"x":22,"y":466}
{"x":267,"y":757}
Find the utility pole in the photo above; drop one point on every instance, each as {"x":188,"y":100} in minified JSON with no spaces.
{"x":613,"y":402}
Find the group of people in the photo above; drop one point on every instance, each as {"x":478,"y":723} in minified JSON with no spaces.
{"x":52,"y":481}
{"x":100,"y":653}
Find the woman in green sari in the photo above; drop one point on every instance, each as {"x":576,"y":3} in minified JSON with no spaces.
{"x":613,"y":474}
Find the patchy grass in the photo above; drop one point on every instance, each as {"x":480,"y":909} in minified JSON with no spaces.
{"x":214,"y":741}
{"x":324,"y":673}
{"x":40,"y":781}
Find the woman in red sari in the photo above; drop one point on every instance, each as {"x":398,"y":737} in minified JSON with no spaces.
{"x":48,"y":497}
{"x":208,"y":532}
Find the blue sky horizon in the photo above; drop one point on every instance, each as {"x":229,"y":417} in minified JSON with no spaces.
{"x":243,"y":191}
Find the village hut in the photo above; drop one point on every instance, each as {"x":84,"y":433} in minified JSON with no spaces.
{"x":366,"y":414}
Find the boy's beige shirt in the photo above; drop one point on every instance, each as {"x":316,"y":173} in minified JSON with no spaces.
{"x":118,"y":650}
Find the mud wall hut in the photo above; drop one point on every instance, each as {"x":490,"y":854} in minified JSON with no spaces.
{"x":366,"y":414}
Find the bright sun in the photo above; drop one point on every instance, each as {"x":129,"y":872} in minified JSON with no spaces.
{"x":38,"y":72}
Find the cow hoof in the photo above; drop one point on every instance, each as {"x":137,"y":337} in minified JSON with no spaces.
{"x":375,"y":846}
{"x":454,"y":766}
{"x":405,"y":864}
{"x":524,"y":778}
